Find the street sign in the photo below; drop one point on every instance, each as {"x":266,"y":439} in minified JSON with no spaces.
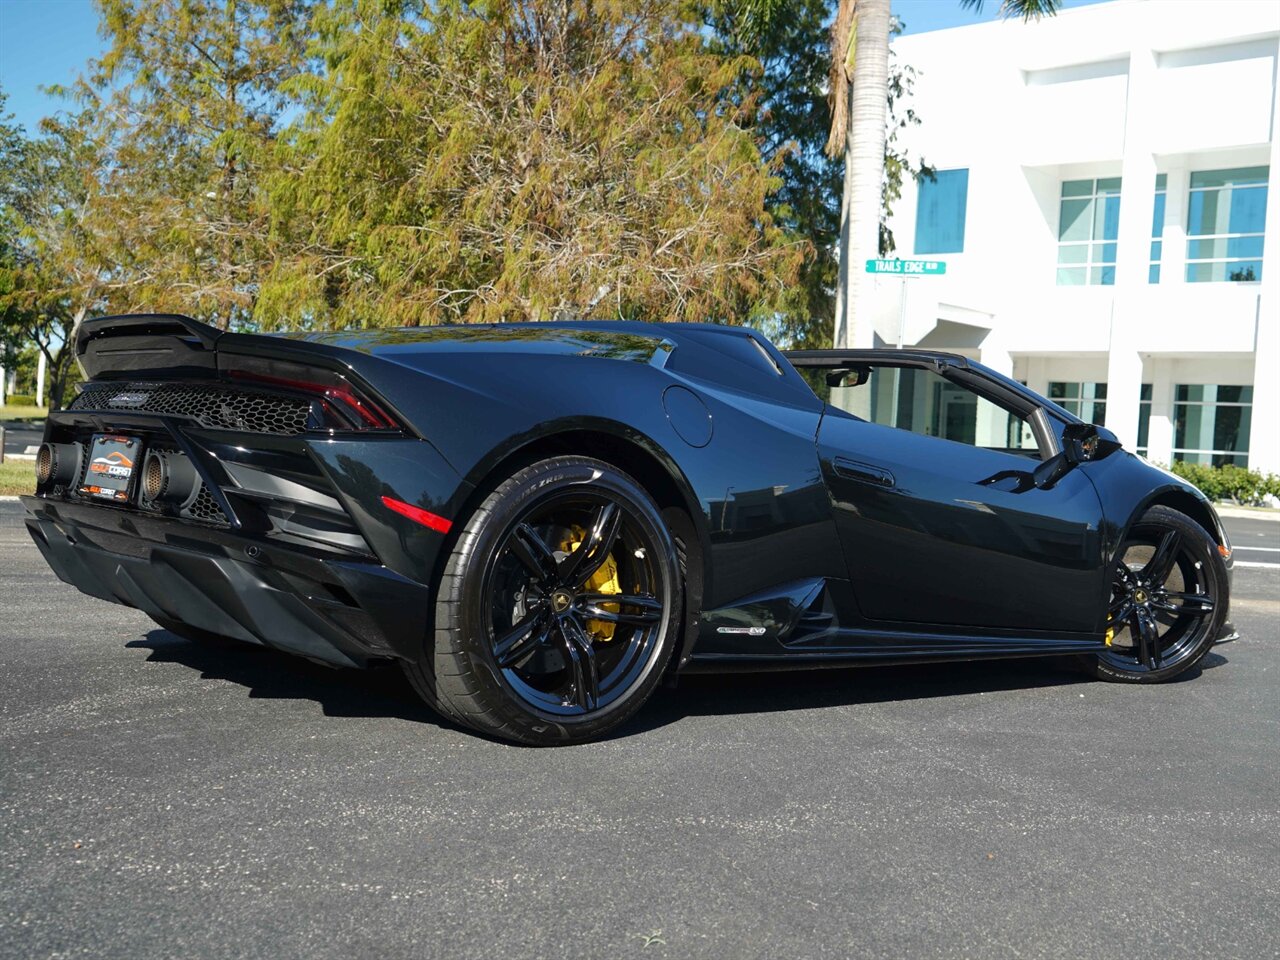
{"x":908,"y":268}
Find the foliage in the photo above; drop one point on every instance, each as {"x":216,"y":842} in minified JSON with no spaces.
{"x":188,"y":95}
{"x":789,"y":116}
{"x":20,"y":400}
{"x":1228,"y":482}
{"x":530,"y":160}
{"x":60,"y":242}
{"x":792,"y":117}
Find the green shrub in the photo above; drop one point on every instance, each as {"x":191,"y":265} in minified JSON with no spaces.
{"x":20,"y":400}
{"x":1228,"y":482}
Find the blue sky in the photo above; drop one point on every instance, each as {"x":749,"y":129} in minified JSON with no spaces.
{"x":46,"y":42}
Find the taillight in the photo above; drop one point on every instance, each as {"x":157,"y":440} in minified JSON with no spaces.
{"x":342,"y":405}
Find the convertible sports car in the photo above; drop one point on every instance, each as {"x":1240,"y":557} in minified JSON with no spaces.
{"x":542,"y":522}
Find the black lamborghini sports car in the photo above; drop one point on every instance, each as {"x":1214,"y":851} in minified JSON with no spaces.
{"x":542,"y":522}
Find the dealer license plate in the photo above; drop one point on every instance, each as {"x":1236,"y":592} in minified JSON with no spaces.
{"x":113,"y":460}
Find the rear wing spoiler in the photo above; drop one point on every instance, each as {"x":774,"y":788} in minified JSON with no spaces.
{"x":136,"y":345}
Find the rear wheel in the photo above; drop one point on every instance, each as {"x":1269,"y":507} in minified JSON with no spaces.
{"x":1168,"y":600}
{"x":558,"y":608}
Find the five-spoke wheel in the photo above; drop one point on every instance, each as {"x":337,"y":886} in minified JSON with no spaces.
{"x":1168,"y":599}
{"x":558,"y":607}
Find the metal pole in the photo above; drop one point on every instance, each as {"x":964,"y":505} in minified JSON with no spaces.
{"x":902,"y":310}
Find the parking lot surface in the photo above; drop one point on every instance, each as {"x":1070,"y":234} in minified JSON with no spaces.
{"x":160,"y":798}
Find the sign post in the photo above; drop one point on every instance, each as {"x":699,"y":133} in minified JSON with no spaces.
{"x":906,"y":270}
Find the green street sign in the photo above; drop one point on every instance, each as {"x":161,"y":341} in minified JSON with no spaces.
{"x":908,"y":268}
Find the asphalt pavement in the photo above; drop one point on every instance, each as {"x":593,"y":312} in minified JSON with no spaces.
{"x":160,"y":798}
{"x":19,"y":435}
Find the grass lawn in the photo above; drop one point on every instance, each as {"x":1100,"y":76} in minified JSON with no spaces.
{"x":17,"y":476}
{"x":23,"y":413}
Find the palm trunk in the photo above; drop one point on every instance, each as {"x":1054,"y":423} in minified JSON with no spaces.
{"x":863,"y":172}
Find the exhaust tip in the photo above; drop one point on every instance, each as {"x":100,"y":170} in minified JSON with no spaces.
{"x":58,"y":462}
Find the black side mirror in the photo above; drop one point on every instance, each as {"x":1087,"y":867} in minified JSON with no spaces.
{"x":849,"y":376}
{"x":1080,"y":442}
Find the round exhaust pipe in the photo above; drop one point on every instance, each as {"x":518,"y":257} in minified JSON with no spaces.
{"x":59,"y":462}
{"x":169,"y":477}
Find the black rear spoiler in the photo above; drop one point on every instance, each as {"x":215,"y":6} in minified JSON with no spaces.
{"x":138,"y":345}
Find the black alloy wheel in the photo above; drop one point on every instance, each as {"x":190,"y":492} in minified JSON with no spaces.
{"x":558,"y":606}
{"x":1168,"y":599}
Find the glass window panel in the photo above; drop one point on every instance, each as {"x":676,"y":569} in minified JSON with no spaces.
{"x":940,"y":212}
{"x":1206,"y":249}
{"x":1073,"y":253}
{"x":1104,"y":253}
{"x":1244,"y":248}
{"x":1205,"y":272}
{"x":1104,"y":276}
{"x":1191,"y":392}
{"x":1228,"y":393}
{"x":923,"y":402}
{"x":1248,"y":210}
{"x":1144,"y":395}
{"x":1077,"y":188}
{"x":1107,"y":218}
{"x":1153,"y":273}
{"x":1157,"y":218}
{"x":1156,"y":250}
{"x":1109,"y":185}
{"x":1076,"y":219}
{"x":1058,"y":390}
{"x":1162,"y":181}
{"x":1207,"y":215}
{"x":1242,"y":271}
{"x":1071,"y":276}
{"x":1221,"y":178}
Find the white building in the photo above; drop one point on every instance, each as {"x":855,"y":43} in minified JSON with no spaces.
{"x":1101,"y":206}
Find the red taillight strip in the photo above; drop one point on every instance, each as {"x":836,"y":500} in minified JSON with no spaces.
{"x":367,"y":411}
{"x":418,"y":515}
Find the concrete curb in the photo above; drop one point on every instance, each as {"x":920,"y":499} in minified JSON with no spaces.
{"x":1248,"y":513}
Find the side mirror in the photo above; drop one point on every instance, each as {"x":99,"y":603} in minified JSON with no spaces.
{"x":849,"y":376}
{"x":1080,"y":442}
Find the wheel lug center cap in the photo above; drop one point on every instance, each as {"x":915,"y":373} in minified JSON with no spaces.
{"x":560,"y":601}
{"x":1140,"y":595}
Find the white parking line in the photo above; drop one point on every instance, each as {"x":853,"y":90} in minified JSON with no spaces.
{"x":1257,"y":563}
{"x":1257,"y":549}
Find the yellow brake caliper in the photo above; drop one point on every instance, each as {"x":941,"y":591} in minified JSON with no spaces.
{"x":604,"y":580}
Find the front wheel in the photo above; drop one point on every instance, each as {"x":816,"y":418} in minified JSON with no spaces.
{"x":558,"y":607}
{"x":1168,"y":600}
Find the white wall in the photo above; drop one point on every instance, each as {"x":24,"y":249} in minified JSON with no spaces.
{"x":1024,"y":107}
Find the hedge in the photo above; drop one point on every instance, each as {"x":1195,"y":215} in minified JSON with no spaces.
{"x":20,"y":400}
{"x":1229,"y":482}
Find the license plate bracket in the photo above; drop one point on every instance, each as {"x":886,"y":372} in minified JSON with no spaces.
{"x":114,"y":460}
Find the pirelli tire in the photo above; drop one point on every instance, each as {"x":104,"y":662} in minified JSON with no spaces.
{"x":558,"y":608}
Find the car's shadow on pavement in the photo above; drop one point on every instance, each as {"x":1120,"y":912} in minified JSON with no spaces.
{"x":384,"y":692}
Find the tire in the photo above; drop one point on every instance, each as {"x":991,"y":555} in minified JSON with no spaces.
{"x":1169,"y":599}
{"x":528,"y":646}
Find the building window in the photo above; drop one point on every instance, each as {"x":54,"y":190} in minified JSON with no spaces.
{"x":1144,"y":418}
{"x":1225,"y":215}
{"x":1157,"y":228}
{"x":1088,"y":221}
{"x":1088,"y":401}
{"x":940,"y":212}
{"x":1211,"y":423}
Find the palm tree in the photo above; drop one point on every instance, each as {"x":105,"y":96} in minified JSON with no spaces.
{"x":859,"y":100}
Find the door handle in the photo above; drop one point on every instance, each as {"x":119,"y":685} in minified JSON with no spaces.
{"x":863,"y":472}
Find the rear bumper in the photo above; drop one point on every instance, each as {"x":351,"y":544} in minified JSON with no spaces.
{"x":293,"y":599}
